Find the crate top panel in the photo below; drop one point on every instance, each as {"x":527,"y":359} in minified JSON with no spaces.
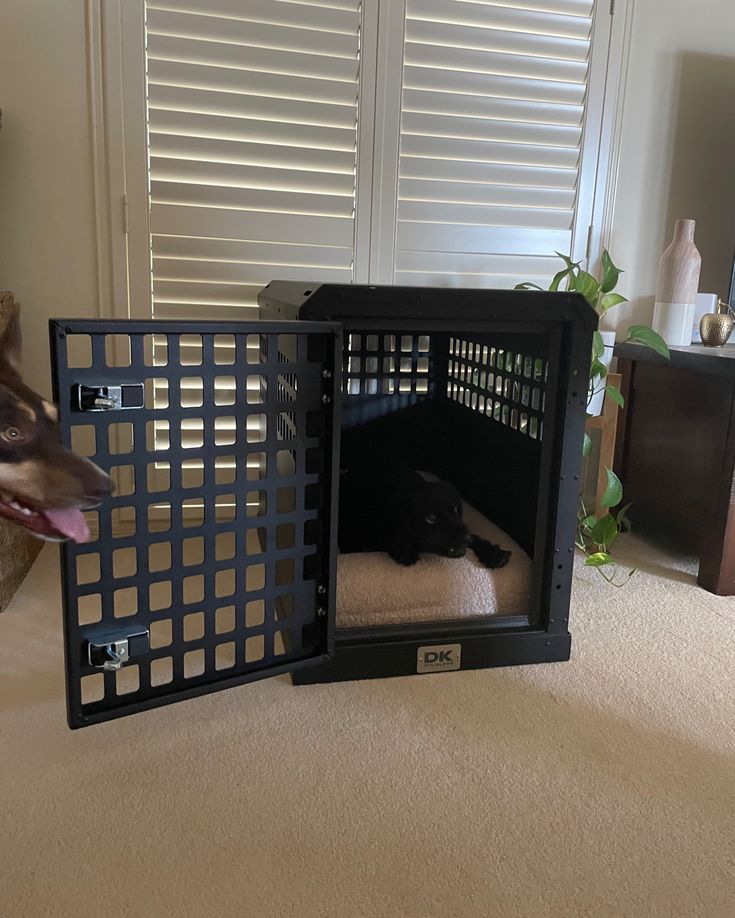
{"x":361,"y":301}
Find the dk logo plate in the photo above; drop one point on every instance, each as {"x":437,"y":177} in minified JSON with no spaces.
{"x":438,"y":658}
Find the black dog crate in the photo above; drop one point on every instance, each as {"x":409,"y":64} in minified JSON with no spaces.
{"x":214,"y":562}
{"x":487,"y":390}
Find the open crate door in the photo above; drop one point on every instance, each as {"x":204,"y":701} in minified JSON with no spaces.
{"x":213,"y":563}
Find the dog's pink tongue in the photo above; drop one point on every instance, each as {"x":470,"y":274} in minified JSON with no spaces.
{"x":70,"y":523}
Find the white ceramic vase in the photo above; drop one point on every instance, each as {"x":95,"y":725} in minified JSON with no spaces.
{"x":676,"y":290}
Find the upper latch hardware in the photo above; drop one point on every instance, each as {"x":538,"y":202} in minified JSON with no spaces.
{"x":108,"y":398}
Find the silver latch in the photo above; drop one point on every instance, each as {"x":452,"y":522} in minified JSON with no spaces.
{"x":113,"y":652}
{"x":109,"y":656}
{"x":109,"y":398}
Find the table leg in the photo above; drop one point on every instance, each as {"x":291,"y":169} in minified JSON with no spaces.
{"x":717,"y":553}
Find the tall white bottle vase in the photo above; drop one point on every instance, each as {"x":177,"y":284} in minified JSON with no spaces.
{"x":676,"y":290}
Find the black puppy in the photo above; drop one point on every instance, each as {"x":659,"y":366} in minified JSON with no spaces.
{"x":395,"y":510}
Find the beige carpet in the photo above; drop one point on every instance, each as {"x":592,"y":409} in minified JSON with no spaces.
{"x":600,"y":787}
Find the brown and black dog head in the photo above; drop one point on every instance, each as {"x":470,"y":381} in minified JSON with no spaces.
{"x":43,"y":486}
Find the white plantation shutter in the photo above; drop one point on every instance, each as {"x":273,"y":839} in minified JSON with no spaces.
{"x":252,"y":117}
{"x":438,"y":142}
{"x":491,"y":139}
{"x":478,"y":126}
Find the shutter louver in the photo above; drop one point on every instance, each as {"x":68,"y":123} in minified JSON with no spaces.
{"x":252,"y":111}
{"x":491,"y":130}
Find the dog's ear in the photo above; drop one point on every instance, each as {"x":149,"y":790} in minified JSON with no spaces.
{"x":10,"y":340}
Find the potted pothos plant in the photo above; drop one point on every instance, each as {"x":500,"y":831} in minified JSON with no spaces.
{"x":596,"y":535}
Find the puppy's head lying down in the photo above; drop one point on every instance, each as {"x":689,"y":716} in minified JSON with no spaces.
{"x":435,"y":520}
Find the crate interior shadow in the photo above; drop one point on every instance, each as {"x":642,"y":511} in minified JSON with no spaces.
{"x":478,"y":425}
{"x":494,"y":471}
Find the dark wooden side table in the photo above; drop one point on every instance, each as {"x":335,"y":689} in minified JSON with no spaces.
{"x":675,"y":452}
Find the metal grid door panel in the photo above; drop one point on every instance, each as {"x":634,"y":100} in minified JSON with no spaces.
{"x":215,"y":557}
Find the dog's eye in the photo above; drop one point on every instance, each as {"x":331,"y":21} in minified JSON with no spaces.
{"x":458,"y":509}
{"x":11,"y":435}
{"x":431,"y":519}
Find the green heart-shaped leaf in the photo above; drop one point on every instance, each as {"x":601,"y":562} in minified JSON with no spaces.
{"x":588,"y":522}
{"x":598,"y":369}
{"x":610,"y":300}
{"x":599,"y":559}
{"x":645,"y":335}
{"x":568,"y":261}
{"x":558,"y":278}
{"x":527,"y":285}
{"x":605,"y":531}
{"x":598,"y":345}
{"x":610,"y":273}
{"x":586,"y":284}
{"x":613,"y":492}
{"x":615,"y":395}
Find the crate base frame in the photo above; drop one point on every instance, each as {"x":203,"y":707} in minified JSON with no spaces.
{"x":385,"y":657}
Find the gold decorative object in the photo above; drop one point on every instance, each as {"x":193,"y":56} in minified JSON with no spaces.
{"x":716,"y":327}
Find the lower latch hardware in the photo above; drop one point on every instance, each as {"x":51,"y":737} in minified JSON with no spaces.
{"x":114,"y":651}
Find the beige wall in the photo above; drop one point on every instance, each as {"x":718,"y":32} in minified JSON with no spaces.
{"x":47,"y":236}
{"x":678,"y":145}
{"x":676,"y":158}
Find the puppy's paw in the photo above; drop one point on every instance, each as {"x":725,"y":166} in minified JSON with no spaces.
{"x":405,"y":555}
{"x":488,"y":554}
